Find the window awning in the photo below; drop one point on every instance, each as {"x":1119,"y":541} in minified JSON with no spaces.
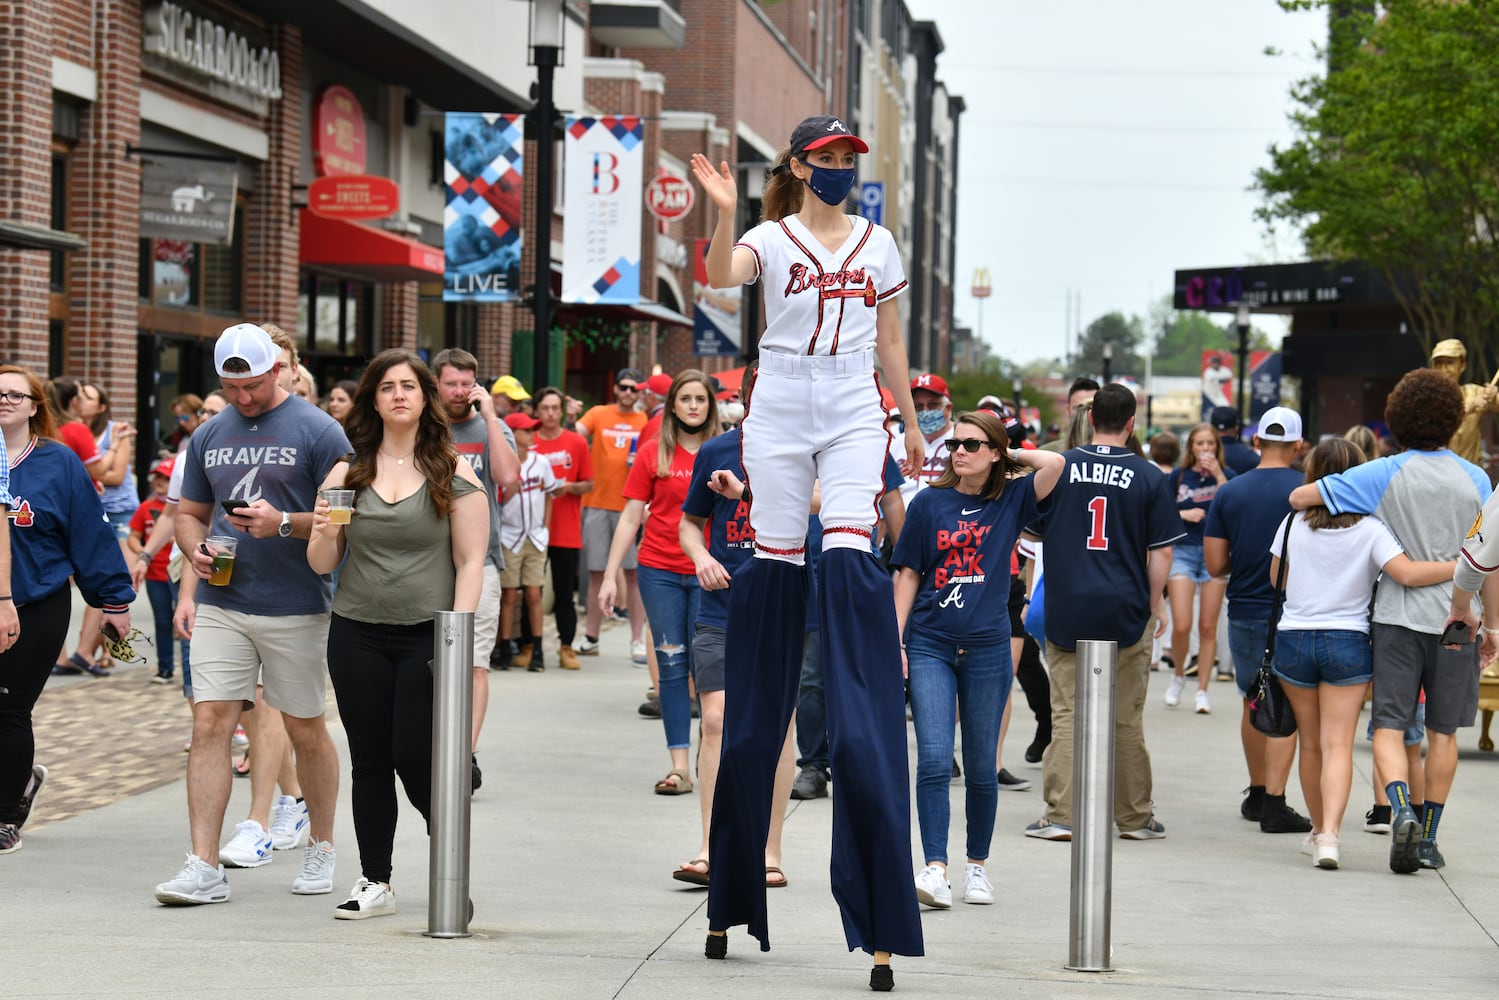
{"x":644,"y":311}
{"x":366,"y":252}
{"x":25,"y":236}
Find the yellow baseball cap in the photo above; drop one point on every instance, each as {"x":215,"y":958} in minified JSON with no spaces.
{"x":1449,"y":349}
{"x":510,"y":386}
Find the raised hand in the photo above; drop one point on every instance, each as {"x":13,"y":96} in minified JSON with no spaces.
{"x":718,"y":184}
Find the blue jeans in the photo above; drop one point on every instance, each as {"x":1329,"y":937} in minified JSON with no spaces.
{"x":812,"y":709}
{"x":1246,"y":644}
{"x":978,"y":680}
{"x":163,"y":597}
{"x":671,"y":601}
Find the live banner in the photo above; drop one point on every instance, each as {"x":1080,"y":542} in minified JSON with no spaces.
{"x":602,"y":186}
{"x":716,"y":323}
{"x":481,"y":222}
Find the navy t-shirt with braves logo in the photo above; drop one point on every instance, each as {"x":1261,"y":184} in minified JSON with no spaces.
{"x":730,"y":539}
{"x":1108,"y":510}
{"x":960,"y":544}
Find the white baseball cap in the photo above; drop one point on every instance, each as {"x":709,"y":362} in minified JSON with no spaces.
{"x":250,"y":344}
{"x":1280,"y":423}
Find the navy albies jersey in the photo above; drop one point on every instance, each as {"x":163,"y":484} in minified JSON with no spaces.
{"x":1108,"y":510}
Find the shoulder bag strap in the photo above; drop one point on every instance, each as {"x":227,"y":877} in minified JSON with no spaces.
{"x":1280,"y":589}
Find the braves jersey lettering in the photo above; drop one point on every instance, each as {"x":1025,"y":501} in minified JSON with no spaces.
{"x":802,"y":280}
{"x":1100,"y":473}
{"x":272,"y":455}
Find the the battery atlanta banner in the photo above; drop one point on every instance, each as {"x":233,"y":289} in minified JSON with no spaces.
{"x":482,"y":221}
{"x":716,"y":325}
{"x":602,"y":184}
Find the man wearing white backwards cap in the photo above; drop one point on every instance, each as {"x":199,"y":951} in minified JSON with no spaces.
{"x":252,"y":477}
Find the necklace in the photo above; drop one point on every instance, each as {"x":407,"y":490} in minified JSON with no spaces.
{"x":401,"y":459}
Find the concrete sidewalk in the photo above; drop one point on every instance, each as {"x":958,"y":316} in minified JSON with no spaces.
{"x":571,"y":878}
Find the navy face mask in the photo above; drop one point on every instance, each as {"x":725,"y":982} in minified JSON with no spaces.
{"x":832,"y":186}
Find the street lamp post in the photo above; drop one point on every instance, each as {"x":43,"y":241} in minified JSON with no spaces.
{"x":1241,"y":320}
{"x":546,"y":30}
{"x":1108,"y":360}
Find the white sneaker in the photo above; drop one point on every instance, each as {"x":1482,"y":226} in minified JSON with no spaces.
{"x":976,"y":887}
{"x":316,"y":876}
{"x":197,"y":883}
{"x":932,"y":887}
{"x":250,"y":847}
{"x":637,"y":652}
{"x":1203,"y":708}
{"x":1309,"y":844}
{"x":366,"y":899}
{"x":1326,"y":855}
{"x":586,"y":646}
{"x":289,"y":823}
{"x":1174,"y":691}
{"x":240,"y":740}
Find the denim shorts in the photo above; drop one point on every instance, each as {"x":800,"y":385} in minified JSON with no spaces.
{"x":1308,"y":657}
{"x":119,"y":522}
{"x":1188,"y":561}
{"x":1246,"y":644}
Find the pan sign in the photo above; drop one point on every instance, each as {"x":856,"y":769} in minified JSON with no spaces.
{"x":668,"y":197}
{"x":352,"y":198}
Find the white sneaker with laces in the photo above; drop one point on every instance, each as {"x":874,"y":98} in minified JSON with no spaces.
{"x":197,"y":883}
{"x":250,"y":847}
{"x":316,"y":876}
{"x":637,"y":652}
{"x":1174,"y":691}
{"x":976,"y":887}
{"x":366,"y":899}
{"x":1203,"y":707}
{"x":240,"y":740}
{"x":289,"y":823}
{"x":932,"y":887}
{"x":1326,"y":851}
{"x":586,"y":647}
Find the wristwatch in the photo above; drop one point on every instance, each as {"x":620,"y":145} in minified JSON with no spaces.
{"x":285,"y":529}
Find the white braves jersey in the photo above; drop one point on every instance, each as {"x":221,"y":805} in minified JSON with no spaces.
{"x":931,"y":469}
{"x":819,"y":301}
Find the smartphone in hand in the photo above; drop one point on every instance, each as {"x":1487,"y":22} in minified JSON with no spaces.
{"x":230,"y":506}
{"x":1457,"y":634}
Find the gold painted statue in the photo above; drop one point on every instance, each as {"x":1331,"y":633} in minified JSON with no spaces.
{"x":1450,"y":357}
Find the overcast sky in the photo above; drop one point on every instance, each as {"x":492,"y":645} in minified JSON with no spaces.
{"x":1108,"y":144}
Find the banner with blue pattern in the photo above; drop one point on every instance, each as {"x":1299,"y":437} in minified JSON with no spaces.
{"x":602,"y":182}
{"x":481,"y":222}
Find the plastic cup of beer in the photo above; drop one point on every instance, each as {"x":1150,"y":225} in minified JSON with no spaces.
{"x":340,"y":505}
{"x":223,"y":559}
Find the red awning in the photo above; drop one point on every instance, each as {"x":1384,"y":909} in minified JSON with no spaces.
{"x":367,"y":252}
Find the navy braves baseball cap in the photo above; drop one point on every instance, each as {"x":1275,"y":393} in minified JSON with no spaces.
{"x":1224,"y":418}
{"x":819,"y":130}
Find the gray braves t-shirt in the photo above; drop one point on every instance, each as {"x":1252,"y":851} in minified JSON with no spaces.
{"x":281,"y":457}
{"x":471,"y":439}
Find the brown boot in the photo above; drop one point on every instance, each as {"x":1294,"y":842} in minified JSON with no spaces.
{"x":522,"y":657}
{"x":567,"y":659}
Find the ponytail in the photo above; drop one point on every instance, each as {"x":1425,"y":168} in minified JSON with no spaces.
{"x":783,"y":191}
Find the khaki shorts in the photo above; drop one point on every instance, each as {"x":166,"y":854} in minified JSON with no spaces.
{"x":487,"y":617}
{"x":232,"y":650}
{"x":524,"y":567}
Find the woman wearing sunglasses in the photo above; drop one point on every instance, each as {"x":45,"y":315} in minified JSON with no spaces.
{"x":952,"y":591}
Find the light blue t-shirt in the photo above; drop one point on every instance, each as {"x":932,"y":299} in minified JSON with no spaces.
{"x":280,"y":456}
{"x":1429,"y":499}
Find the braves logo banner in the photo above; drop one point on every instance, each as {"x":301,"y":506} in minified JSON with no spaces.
{"x":716,"y":326}
{"x":482,"y":220}
{"x":603,"y":190}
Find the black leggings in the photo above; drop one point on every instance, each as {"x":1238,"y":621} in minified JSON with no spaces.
{"x":564,"y":583}
{"x":384,"y":686}
{"x":24,"y":669}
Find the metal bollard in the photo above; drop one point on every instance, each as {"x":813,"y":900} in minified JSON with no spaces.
{"x":1093,"y":807}
{"x":452,"y":721}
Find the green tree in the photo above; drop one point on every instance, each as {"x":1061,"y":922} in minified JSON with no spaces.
{"x":1126,"y":334}
{"x":1181,"y":337}
{"x":1396,"y":158}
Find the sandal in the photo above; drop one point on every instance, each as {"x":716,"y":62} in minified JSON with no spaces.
{"x":778,"y":883}
{"x":676,"y":782}
{"x":242,"y":766}
{"x":86,"y":665}
{"x":691,"y":877}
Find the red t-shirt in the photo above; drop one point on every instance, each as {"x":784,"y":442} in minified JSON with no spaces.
{"x":141,"y":522}
{"x":572,"y":462}
{"x":76,"y":435}
{"x":659,"y":546}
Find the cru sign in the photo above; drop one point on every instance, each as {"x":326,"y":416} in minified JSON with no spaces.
{"x":668,"y":197}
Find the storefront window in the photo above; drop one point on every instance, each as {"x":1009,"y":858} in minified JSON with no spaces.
{"x":194,"y":276}
{"x":59,"y":277}
{"x":174,"y":273}
{"x":222,"y":274}
{"x":334,"y":316}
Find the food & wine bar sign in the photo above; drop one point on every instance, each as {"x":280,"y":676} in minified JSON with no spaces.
{"x":1278,"y":287}
{"x":227,"y":61}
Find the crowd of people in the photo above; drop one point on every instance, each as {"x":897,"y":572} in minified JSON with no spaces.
{"x":801,"y":565}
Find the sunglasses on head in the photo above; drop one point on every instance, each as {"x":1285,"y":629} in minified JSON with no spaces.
{"x":970,"y":445}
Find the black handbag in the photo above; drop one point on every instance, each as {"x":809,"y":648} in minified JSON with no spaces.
{"x":1269,"y":710}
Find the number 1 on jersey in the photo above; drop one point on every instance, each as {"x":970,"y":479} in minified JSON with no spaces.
{"x":1098,"y":507}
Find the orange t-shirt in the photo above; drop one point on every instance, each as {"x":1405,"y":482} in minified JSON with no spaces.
{"x":615,"y":436}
